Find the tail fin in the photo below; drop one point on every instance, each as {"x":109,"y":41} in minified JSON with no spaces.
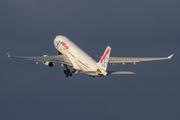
{"x":104,"y":59}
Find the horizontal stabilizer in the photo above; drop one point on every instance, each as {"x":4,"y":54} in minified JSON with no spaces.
{"x":120,"y":72}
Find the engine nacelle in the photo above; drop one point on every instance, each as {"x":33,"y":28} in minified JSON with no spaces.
{"x":50,"y":64}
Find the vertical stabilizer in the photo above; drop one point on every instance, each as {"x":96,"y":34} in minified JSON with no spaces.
{"x":104,"y":59}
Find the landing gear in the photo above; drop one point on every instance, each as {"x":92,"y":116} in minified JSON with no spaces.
{"x":91,"y":76}
{"x":75,"y":71}
{"x":67,"y":71}
{"x":70,"y":74}
{"x":58,"y":53}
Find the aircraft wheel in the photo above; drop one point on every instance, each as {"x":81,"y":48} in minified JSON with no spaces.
{"x":68,"y":71}
{"x":70,"y":74}
{"x":65,"y":71}
{"x":66,"y":75}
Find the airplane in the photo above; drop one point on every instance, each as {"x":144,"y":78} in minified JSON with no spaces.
{"x":69,"y":54}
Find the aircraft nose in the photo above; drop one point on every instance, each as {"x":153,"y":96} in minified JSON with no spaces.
{"x":56,"y":40}
{"x":60,"y":37}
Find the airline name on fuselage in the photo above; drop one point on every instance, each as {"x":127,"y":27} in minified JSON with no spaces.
{"x":65,"y":45}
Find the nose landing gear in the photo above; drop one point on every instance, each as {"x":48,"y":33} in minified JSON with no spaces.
{"x":58,"y":53}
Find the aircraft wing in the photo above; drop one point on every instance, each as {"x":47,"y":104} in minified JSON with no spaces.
{"x":52,"y":58}
{"x":134,"y":60}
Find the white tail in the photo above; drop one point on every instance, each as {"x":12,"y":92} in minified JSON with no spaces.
{"x":104,"y":59}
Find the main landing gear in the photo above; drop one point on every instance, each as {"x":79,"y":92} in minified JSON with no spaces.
{"x":67,"y":71}
{"x":91,"y":76}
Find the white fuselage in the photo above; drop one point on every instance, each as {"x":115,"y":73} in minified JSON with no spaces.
{"x":80,"y":59}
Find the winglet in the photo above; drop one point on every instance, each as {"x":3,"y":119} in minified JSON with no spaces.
{"x":169,"y":57}
{"x":8,"y":55}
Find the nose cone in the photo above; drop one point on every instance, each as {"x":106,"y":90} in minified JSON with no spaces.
{"x":58,"y":40}
{"x":60,"y":37}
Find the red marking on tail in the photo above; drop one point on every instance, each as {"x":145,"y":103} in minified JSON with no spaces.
{"x":104,"y":56}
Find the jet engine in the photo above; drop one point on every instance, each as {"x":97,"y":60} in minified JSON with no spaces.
{"x":50,"y":64}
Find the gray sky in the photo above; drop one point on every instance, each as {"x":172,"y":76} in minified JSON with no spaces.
{"x":131,"y":28}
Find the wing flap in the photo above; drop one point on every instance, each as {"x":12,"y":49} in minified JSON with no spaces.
{"x":53,"y":58}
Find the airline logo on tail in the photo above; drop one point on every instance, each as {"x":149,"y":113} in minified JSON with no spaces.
{"x":105,"y":58}
{"x":106,"y":53}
